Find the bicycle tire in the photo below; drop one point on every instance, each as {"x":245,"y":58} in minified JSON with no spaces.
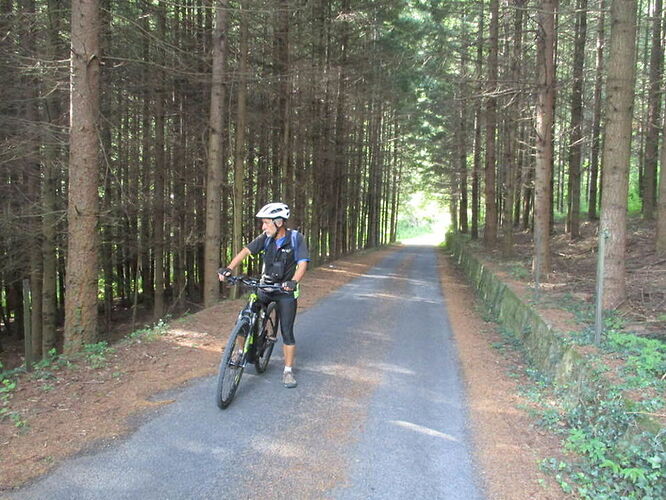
{"x":264,"y":347}
{"x":231,"y":369}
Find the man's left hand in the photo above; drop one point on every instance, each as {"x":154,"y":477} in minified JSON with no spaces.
{"x":289,"y":285}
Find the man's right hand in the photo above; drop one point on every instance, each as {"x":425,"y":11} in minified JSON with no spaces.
{"x":224,"y":272}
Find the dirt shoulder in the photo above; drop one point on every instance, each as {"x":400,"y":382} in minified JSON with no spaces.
{"x":77,"y":408}
{"x":508,"y":443}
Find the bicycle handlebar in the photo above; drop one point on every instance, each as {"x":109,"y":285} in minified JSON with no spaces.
{"x":253,"y":283}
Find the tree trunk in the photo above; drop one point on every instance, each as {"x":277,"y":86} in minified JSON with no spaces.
{"x":576,"y":134}
{"x":462,"y":133}
{"x":282,"y":87}
{"x":596,"y":120}
{"x":512,"y":113}
{"x":55,"y":50}
{"x":340,"y":179}
{"x":661,"y":207}
{"x":240,"y":150}
{"x":215,"y":157}
{"x":653,"y":125}
{"x":33,"y":180}
{"x":476,"y":167}
{"x":82,"y":212}
{"x":617,"y":146}
{"x":490,"y":227}
{"x":544,"y":136}
{"x":160,"y":174}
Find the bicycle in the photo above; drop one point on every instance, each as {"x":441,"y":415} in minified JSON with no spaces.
{"x":251,"y":341}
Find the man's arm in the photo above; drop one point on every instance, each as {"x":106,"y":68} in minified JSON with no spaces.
{"x":300,"y":270}
{"x":298,"y":275}
{"x":235,"y":262}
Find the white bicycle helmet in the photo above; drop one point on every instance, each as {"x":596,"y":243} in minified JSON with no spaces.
{"x":274,"y":211}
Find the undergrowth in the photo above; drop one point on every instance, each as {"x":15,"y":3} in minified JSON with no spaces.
{"x":611,"y":450}
{"x":48,"y":370}
{"x":608,"y":457}
{"x":612,"y":459}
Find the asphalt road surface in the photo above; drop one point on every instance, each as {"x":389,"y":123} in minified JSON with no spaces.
{"x":379,"y":412}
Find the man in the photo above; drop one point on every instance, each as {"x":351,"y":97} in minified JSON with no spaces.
{"x":285,"y":260}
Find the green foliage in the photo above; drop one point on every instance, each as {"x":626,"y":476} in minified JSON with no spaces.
{"x":16,"y":418}
{"x":46,"y":367}
{"x":7,"y":387}
{"x":7,"y":383}
{"x":609,"y":464}
{"x":406,"y":230}
{"x":96,"y":353}
{"x":148,"y":333}
{"x":628,"y":471}
{"x":510,"y":339}
{"x":520,"y":272}
{"x":634,"y":203}
{"x":646,"y":356}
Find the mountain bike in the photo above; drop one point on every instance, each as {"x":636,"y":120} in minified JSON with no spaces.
{"x":251,"y":341}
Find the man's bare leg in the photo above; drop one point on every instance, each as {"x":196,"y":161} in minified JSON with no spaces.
{"x":288,"y":377}
{"x":289,"y":355}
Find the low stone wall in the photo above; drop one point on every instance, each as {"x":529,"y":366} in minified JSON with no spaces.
{"x":550,"y":352}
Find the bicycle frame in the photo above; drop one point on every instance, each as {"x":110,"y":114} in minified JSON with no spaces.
{"x":252,"y":314}
{"x":248,"y":311}
{"x":254,"y":318}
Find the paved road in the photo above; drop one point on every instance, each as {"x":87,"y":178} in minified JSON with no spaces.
{"x":379,"y":412}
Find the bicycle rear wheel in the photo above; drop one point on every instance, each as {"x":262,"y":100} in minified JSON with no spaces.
{"x":265,"y":346}
{"x":232,"y":364}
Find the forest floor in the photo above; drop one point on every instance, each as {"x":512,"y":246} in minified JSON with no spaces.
{"x":76,"y":407}
{"x":566,"y":297}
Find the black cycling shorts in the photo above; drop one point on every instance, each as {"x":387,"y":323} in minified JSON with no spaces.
{"x":286,"y":304}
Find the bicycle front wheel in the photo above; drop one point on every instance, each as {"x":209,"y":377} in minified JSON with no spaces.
{"x":232,"y":364}
{"x":265,"y":342}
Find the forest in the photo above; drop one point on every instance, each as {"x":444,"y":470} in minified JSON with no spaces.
{"x":138,"y":138}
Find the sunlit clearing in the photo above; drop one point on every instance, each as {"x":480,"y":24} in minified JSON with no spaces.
{"x":423,"y":221}
{"x":423,"y":430}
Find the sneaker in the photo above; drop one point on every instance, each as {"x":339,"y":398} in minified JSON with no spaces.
{"x":288,"y":380}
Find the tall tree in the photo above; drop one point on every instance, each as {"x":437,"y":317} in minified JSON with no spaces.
{"x":82,"y":211}
{"x":596,"y":119}
{"x":282,"y":86}
{"x":215,"y":170}
{"x":476,"y":166}
{"x":511,"y":134}
{"x":576,"y":130}
{"x":617,"y":146}
{"x":160,"y":176}
{"x":462,"y":128}
{"x":544,"y":135}
{"x":32,"y":175}
{"x":653,"y":125}
{"x":240,"y":153}
{"x":54,"y":50}
{"x":490,"y":227}
{"x":661,"y":209}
